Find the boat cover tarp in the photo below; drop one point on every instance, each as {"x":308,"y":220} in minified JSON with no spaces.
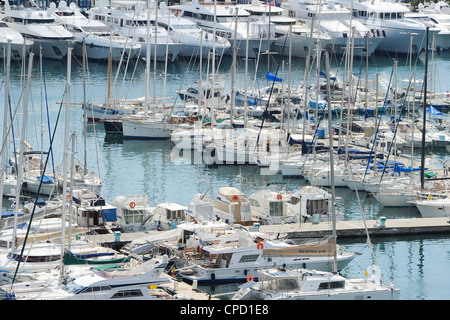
{"x":271,"y":77}
{"x":8,"y":214}
{"x":72,"y":259}
{"x":45,"y":179}
{"x":109,"y":215}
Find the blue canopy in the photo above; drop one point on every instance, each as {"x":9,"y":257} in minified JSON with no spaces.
{"x":45,"y":179}
{"x":7,"y":214}
{"x":271,"y":77}
{"x":324,"y":75}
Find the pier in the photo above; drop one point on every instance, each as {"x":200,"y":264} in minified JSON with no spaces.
{"x":357,"y":228}
{"x":344,"y":229}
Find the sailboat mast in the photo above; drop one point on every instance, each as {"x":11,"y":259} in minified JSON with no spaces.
{"x":5,"y":117}
{"x":330,"y":137}
{"x":22,"y":147}
{"x":422,"y":160}
{"x":84,"y":104}
{"x":233,"y":80}
{"x":65,"y":161}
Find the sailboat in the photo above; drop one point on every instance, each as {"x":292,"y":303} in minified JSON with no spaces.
{"x":307,"y":284}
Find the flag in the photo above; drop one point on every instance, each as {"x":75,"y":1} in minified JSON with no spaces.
{"x":433,"y":111}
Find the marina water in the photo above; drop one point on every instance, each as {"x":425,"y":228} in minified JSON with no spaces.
{"x":417,"y":264}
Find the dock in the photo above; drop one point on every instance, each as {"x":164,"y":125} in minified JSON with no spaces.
{"x":189,"y":291}
{"x":357,"y":228}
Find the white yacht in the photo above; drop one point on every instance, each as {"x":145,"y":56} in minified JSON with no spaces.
{"x":304,"y":39}
{"x":130,"y":18}
{"x":19,"y":45}
{"x":387,"y":19}
{"x":438,"y":41}
{"x":138,"y":283}
{"x":193,"y":39}
{"x":40,"y":27}
{"x":134,"y":213}
{"x":238,"y":262}
{"x":337,"y":21}
{"x":169,"y":215}
{"x":436,"y":14}
{"x":224,"y":20}
{"x":304,"y":284}
{"x":97,"y":36}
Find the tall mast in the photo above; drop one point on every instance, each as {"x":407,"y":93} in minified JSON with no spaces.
{"x":330,"y":137}
{"x":5,"y":118}
{"x":65,"y":160}
{"x":422,"y":161}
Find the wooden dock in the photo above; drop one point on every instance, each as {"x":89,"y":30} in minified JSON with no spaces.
{"x":357,"y":228}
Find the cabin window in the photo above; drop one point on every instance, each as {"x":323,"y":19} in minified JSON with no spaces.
{"x":127,"y":294}
{"x":249,"y":258}
{"x":180,"y":214}
{"x":192,"y":90}
{"x":294,"y":200}
{"x":287,"y":284}
{"x":332,"y":285}
{"x":317,"y":206}
{"x":133,"y":216}
{"x":254,"y":203}
{"x":276,"y":208}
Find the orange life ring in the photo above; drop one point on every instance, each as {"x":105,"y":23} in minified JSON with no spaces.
{"x":249,"y":278}
{"x":132,"y":205}
{"x":279,"y":197}
{"x":260,"y":245}
{"x":235,"y":198}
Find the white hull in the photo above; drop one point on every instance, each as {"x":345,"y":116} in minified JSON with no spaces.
{"x":393,"y":199}
{"x":434,"y":208}
{"x":98,"y":51}
{"x":99,"y":112}
{"x":147,"y":129}
{"x":51,"y":49}
{"x":18,"y":50}
{"x":241,"y":273}
{"x":398,"y":38}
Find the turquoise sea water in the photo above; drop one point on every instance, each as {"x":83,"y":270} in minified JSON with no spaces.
{"x":418,"y":265}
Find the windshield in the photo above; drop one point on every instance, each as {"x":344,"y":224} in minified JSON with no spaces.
{"x":74,"y":288}
{"x":97,"y":29}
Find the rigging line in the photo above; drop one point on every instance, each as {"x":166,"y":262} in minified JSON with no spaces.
{"x":38,"y":191}
{"x":48,"y":116}
{"x":376,"y":132}
{"x":361,"y":207}
{"x":404,"y":108}
{"x":11,"y":126}
{"x":134,"y":73}
{"x":271,"y":90}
